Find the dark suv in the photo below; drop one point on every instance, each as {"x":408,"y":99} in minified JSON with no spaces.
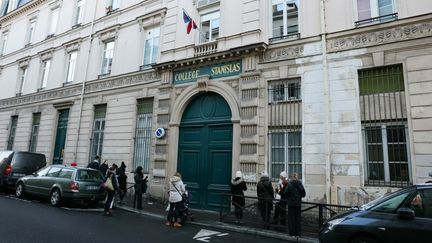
{"x":16,"y":164}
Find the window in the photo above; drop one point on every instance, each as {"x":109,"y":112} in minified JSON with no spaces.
{"x":53,"y":22}
{"x":66,"y":174}
{"x":72,"y":58}
{"x":12,"y":5}
{"x":22,"y":80}
{"x":79,"y":12}
{"x":30,"y":31}
{"x":384,"y":122}
{"x":392,"y":204}
{"x":421,"y":204}
{"x":12,"y":131}
{"x":285,"y":152}
{"x":4,"y":41}
{"x":54,"y":172}
{"x":143,"y":132}
{"x":112,"y":5}
{"x":34,"y":132}
{"x":209,"y":27}
{"x":367,"y":9}
{"x":46,"y":65}
{"x":98,"y":132}
{"x":44,"y":171}
{"x":285,"y":17}
{"x":288,"y":90}
{"x":107,"y":57}
{"x":151,"y":46}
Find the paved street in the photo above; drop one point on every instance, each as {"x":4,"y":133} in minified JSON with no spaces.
{"x":34,"y":221}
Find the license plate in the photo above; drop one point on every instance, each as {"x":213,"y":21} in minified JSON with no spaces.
{"x":92,"y":188}
{"x":19,"y":174}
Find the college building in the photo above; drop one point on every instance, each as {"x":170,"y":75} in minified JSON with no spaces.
{"x":338,"y":91}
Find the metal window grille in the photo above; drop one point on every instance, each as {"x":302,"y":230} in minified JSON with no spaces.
{"x":385,"y":132}
{"x":143,"y":131}
{"x":14,"y":122}
{"x":285,"y":119}
{"x":34,"y":132}
{"x":98,"y":131}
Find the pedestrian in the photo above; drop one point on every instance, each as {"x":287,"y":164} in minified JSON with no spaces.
{"x":110,"y":178}
{"x":95,"y":163}
{"x":104,"y":167}
{"x":294,"y":193}
{"x":281,"y":205}
{"x":265,"y":198}
{"x":238,"y":186}
{"x":122,"y":179}
{"x":140,"y":187}
{"x":176,"y":194}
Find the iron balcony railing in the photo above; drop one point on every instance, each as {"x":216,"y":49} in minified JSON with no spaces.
{"x":384,"y":18}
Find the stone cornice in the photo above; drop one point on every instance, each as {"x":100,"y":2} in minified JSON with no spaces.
{"x":23,"y":9}
{"x":152,"y":18}
{"x":74,"y":90}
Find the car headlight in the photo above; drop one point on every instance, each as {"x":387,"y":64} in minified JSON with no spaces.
{"x":332,"y":223}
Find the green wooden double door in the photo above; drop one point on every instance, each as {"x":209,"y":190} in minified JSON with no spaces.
{"x":205,"y":150}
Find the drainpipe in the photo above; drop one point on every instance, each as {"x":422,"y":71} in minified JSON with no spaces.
{"x":326,"y":99}
{"x":84,"y":82}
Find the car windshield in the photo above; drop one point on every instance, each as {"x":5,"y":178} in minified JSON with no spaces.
{"x":89,"y":175}
{"x":381,"y":200}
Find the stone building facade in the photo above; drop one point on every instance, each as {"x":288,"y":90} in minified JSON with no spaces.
{"x":344,"y":100}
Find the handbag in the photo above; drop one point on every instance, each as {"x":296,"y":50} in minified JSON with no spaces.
{"x":108,"y":184}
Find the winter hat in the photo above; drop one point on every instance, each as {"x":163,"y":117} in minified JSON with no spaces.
{"x":264,"y":174}
{"x":283,"y":174}
{"x":239,"y":174}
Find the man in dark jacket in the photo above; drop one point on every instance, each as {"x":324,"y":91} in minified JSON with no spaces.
{"x":110,"y":194}
{"x":294,"y":193}
{"x":95,"y":163}
{"x":122,"y":179}
{"x":265,"y":198}
{"x":238,"y":186}
{"x":140,"y":186}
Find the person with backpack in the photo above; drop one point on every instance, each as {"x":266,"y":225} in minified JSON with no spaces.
{"x":294,"y":194}
{"x":238,"y":186}
{"x":176,"y":194}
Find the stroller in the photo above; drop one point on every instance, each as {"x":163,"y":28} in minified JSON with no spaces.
{"x":184,"y":210}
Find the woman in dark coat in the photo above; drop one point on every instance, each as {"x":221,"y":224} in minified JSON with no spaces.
{"x":265,"y":198}
{"x":110,"y":194}
{"x":238,"y":186}
{"x":140,"y":186}
{"x":122,"y":179}
{"x":294,"y":193}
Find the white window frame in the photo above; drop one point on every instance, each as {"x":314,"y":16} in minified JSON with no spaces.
{"x":107,"y":57}
{"x":287,"y":163}
{"x":285,"y":15}
{"x":152,"y":35}
{"x":5,"y":37}
{"x":385,"y":143}
{"x":112,"y":5}
{"x":13,"y":4}
{"x":46,"y":66}
{"x":211,"y":17}
{"x":374,"y":9}
{"x":71,"y":66}
{"x":54,"y":18}
{"x":34,"y":133}
{"x":31,"y":31}
{"x":22,"y":79}
{"x":79,"y":12}
{"x":286,"y":90}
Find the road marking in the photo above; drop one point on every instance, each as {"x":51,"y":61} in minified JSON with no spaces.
{"x":205,"y":235}
{"x":84,"y":209}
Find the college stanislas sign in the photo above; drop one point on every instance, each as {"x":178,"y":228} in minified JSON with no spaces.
{"x":220,"y":70}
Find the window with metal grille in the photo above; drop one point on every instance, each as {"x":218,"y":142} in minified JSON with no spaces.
{"x":286,"y":90}
{"x":98,"y":131}
{"x":143,"y":131}
{"x":12,"y":131}
{"x":34,"y":132}
{"x":384,"y":122}
{"x":285,"y":153}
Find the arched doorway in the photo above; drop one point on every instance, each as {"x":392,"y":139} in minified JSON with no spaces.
{"x":205,"y":149}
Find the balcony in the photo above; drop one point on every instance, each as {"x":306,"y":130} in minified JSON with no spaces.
{"x":205,"y":48}
{"x":294,"y":36}
{"x":380,"y":19}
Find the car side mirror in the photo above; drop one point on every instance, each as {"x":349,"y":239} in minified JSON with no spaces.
{"x":34,"y":174}
{"x":405,"y":213}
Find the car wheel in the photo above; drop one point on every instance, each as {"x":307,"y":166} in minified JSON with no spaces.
{"x":55,"y":197}
{"x":19,"y":190}
{"x":364,"y":239}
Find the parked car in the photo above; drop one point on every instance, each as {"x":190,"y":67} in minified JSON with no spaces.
{"x":16,"y":164}
{"x":403,"y":216}
{"x":60,"y":183}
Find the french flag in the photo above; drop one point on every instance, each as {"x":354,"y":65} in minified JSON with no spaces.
{"x":189,"y":21}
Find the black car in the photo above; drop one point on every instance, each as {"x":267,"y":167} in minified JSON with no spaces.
{"x":16,"y":164}
{"x":403,"y":216}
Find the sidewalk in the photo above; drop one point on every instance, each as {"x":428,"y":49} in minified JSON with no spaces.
{"x":156,"y":209}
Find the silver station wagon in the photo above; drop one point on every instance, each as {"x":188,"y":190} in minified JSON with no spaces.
{"x":62,"y":183}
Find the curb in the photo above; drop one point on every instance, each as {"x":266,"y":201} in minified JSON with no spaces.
{"x":228,"y":227}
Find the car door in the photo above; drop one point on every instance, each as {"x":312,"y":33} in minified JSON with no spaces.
{"x":32,"y":183}
{"x":49,"y":180}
